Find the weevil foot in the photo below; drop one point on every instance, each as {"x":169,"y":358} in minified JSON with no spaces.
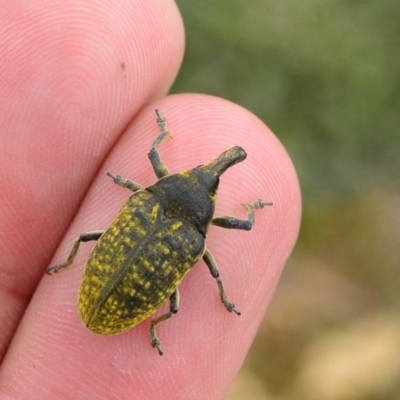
{"x":230,"y":307}
{"x":155,"y":343}
{"x":257,"y":204}
{"x":126,"y":183}
{"x":56,"y":268}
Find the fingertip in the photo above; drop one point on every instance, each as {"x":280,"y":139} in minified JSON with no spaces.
{"x":203,"y":335}
{"x":204,"y":126}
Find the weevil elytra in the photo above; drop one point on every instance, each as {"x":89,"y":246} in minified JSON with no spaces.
{"x":156,"y":238}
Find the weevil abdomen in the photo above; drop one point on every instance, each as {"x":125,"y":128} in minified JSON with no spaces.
{"x":136,"y":265}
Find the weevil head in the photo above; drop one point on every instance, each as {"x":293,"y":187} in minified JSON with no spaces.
{"x":191,"y":195}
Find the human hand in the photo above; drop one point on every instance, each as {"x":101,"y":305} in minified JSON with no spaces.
{"x":80,"y":82}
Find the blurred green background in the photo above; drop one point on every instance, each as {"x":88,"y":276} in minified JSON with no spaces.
{"x":325,"y":77}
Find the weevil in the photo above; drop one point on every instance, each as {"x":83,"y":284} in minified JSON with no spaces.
{"x":138,"y":263}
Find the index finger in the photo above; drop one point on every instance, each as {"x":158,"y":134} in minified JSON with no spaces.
{"x":202,"y":339}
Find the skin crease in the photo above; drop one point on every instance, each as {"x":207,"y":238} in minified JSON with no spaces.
{"x":80,"y":84}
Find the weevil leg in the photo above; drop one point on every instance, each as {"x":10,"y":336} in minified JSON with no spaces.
{"x":212,"y":266}
{"x":173,"y":309}
{"x":83,"y":237}
{"x":159,"y":167}
{"x":234,"y":223}
{"x":126,"y":183}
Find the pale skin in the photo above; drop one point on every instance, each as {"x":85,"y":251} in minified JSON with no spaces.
{"x":227,"y":159}
{"x":81,"y":105}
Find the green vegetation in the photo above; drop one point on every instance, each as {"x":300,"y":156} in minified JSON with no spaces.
{"x":323,"y":75}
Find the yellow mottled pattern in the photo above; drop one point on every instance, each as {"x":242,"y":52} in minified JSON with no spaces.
{"x":136,"y":265}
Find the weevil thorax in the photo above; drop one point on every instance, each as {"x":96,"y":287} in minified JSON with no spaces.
{"x":191,"y":195}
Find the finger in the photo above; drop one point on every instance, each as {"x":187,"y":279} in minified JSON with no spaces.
{"x":204,"y":345}
{"x":73,"y":75}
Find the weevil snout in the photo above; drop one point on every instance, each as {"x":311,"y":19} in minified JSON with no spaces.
{"x":225,"y":160}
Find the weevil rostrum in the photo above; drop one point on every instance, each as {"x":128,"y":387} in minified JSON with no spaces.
{"x":138,"y":263}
